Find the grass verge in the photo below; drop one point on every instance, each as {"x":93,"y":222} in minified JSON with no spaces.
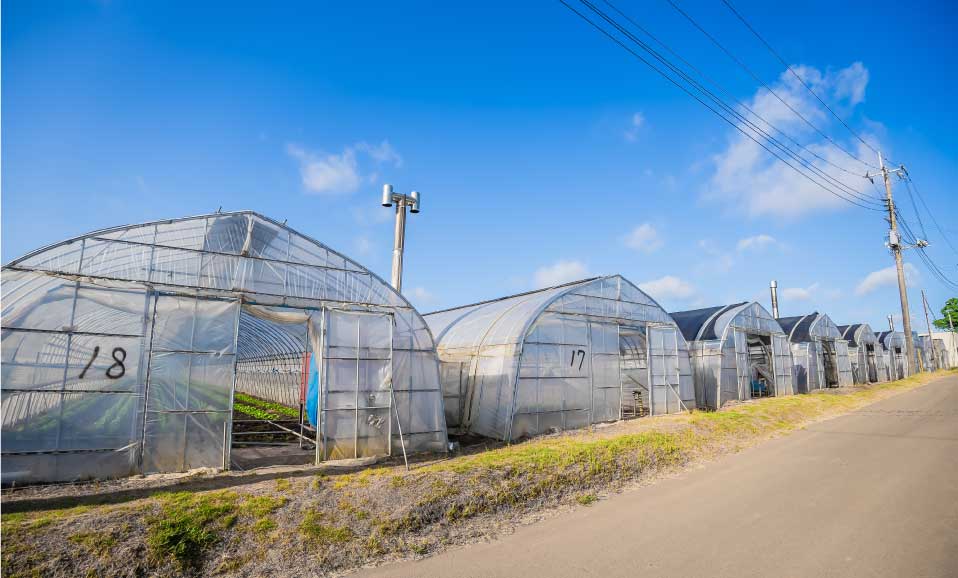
{"x":333,"y":522}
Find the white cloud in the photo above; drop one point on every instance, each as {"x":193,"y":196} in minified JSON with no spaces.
{"x":799,"y":293}
{"x":749,"y":179}
{"x":560,"y":272}
{"x":718,"y":260}
{"x":757,"y":242}
{"x":644,"y":238}
{"x":381,"y":153}
{"x":421,"y":296}
{"x":883,"y":278}
{"x":363,"y":245}
{"x":635,"y":123}
{"x":669,"y":287}
{"x":330,"y":174}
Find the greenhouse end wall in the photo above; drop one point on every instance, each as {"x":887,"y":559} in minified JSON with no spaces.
{"x":552,"y":359}
{"x":718,"y":352}
{"x":120,"y":347}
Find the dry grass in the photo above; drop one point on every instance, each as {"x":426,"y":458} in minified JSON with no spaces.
{"x":330,"y":523}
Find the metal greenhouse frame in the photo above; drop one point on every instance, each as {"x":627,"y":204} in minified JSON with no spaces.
{"x":737,"y":352}
{"x":896,"y":360}
{"x":122,"y":349}
{"x":818,"y":351}
{"x":564,"y":357}
{"x":865,"y":352}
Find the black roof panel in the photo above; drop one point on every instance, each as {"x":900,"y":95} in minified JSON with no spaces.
{"x":690,"y":322}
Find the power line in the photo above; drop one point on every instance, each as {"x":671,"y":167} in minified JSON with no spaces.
{"x":926,"y":259}
{"x":725,"y":91}
{"x":921,"y":199}
{"x":712,"y":97}
{"x":914,"y":206}
{"x":755,"y":77}
{"x":790,"y":69}
{"x":718,"y":101}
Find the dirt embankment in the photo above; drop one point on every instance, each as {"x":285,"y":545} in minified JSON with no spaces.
{"x":321,"y":521}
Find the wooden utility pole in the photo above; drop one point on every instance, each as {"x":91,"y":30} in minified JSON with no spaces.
{"x":894,"y":243}
{"x":931,"y":339}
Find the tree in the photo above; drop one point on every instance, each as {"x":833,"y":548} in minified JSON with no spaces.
{"x":951,"y":306}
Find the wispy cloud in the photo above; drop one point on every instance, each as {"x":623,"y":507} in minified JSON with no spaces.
{"x":883,"y":278}
{"x":345,"y":172}
{"x":644,"y":238}
{"x":717,"y":259}
{"x":756,"y":242}
{"x":668,"y":288}
{"x":420,"y":296}
{"x":635,"y":123}
{"x":560,"y":272}
{"x":363,"y":245}
{"x":749,"y":179}
{"x":799,"y":293}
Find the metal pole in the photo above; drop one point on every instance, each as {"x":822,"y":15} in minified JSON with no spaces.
{"x":895,"y":243}
{"x":773,"y":287}
{"x":399,"y":244}
{"x":924,"y":306}
{"x":951,"y":326}
{"x":891,"y":323}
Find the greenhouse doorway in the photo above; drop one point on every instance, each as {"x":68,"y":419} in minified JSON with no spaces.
{"x":355,"y":386}
{"x":634,"y":372}
{"x":830,"y":363}
{"x":270,"y":426}
{"x":871,"y":364}
{"x":760,"y":365}
{"x":898,"y":363}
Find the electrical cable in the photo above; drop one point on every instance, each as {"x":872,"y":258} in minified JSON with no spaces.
{"x":724,"y":90}
{"x":728,"y":4}
{"x":712,"y":97}
{"x":934,"y":220}
{"x":755,"y":77}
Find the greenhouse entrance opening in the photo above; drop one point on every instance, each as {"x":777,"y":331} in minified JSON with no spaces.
{"x":898,"y":364}
{"x":634,"y":372}
{"x":270,"y":426}
{"x":871,"y":364}
{"x":760,"y":364}
{"x":829,"y":363}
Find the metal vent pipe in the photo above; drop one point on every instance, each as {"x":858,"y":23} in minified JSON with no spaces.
{"x":773,"y":287}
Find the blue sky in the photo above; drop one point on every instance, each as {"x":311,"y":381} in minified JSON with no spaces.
{"x":542,"y":150}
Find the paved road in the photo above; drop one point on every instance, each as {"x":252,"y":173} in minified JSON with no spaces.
{"x":873,"y":493}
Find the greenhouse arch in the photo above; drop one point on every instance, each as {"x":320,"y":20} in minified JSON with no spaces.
{"x":123,"y":348}
{"x":865,"y":352}
{"x":737,"y":351}
{"x":819,"y":352}
{"x":560,"y":358}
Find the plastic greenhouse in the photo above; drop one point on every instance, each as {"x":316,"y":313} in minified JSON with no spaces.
{"x":940,"y":353}
{"x":121,"y":349}
{"x":737,"y":352}
{"x":895,"y":357}
{"x":819,"y":352}
{"x":866,"y":353}
{"x":923,"y":352}
{"x":560,"y":358}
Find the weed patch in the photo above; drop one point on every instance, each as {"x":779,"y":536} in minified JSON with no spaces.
{"x":187,"y":524}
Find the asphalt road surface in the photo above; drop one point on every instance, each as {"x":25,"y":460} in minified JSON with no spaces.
{"x":873,"y":493}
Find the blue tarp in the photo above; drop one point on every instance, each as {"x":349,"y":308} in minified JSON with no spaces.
{"x":312,"y":391}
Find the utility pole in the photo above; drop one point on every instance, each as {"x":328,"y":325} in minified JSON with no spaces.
{"x":931,"y":339}
{"x":402,"y":201}
{"x":894,"y":243}
{"x":953,"y":340}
